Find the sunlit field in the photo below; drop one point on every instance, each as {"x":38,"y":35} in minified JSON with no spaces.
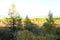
{"x":38,"y":21}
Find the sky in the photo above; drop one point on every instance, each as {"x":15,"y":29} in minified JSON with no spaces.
{"x":32,"y":8}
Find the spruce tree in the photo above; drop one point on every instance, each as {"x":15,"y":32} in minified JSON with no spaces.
{"x":49,"y":25}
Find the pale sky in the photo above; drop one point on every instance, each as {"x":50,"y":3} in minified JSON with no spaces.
{"x":32,"y":8}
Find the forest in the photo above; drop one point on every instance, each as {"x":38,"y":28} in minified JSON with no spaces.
{"x":29,"y":31}
{"x":14,"y":29}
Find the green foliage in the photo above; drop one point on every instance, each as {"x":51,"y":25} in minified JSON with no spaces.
{"x":49,"y":25}
{"x":28,"y":23}
{"x":18,"y":20}
{"x":49,"y":28}
{"x":31,"y":27}
{"x":58,"y":33}
{"x":25,"y":35}
{"x":30,"y":32}
{"x":50,"y":18}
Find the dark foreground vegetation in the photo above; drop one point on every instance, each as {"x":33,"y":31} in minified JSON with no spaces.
{"x":30,"y":31}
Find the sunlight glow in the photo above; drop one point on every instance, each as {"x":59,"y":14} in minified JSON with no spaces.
{"x":32,"y":8}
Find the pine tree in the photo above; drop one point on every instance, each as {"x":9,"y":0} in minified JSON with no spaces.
{"x":15,"y":21}
{"x":27,"y":23}
{"x":49,"y":25}
{"x":50,"y":18}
